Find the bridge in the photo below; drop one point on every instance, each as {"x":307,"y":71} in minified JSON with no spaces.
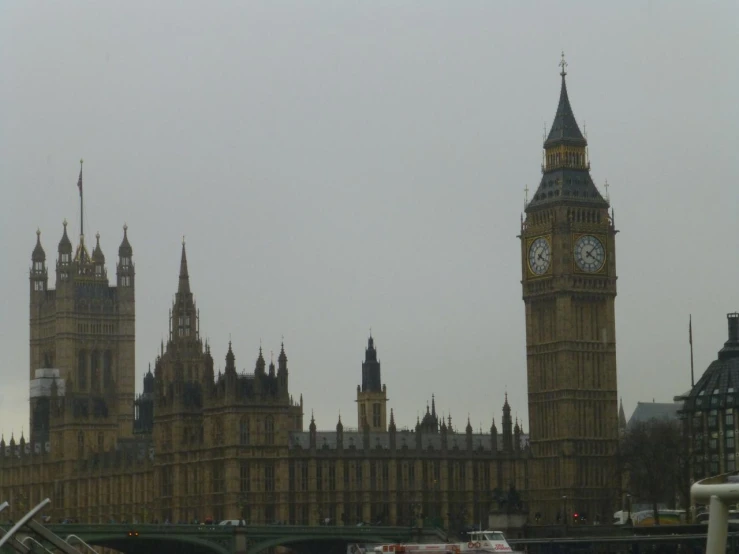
{"x":221,"y":539}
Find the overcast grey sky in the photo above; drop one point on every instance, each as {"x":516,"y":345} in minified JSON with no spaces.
{"x":338,"y":166}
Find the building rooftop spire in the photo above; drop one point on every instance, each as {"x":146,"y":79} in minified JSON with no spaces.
{"x":38,"y":254}
{"x":184,"y":286}
{"x":566,"y":164}
{"x":564,"y":127}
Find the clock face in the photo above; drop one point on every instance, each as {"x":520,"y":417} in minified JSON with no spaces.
{"x":589,"y":253}
{"x":540,"y":255}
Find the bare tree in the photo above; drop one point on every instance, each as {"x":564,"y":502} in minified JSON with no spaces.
{"x":653,"y":458}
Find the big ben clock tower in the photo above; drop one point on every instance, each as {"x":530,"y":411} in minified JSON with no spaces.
{"x":569,"y":287}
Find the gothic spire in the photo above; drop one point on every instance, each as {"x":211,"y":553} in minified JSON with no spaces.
{"x":125,"y":250}
{"x":184,"y":286}
{"x":282,"y":358}
{"x":38,"y":254}
{"x":564,"y":127}
{"x":97,"y":252}
{"x":230,"y":359}
{"x":566,"y":168}
{"x":65,"y":245}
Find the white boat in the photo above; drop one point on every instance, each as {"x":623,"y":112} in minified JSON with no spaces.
{"x":479,"y":541}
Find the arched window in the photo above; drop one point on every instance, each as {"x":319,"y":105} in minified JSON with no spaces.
{"x":80,"y":445}
{"x":244,"y":432}
{"x":82,"y":370}
{"x":269,"y":430}
{"x":101,"y":442}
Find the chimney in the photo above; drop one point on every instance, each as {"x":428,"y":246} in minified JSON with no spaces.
{"x":733,"y":326}
{"x":731,"y":346}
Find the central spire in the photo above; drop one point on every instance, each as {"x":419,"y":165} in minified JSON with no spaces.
{"x":184,"y":286}
{"x":564,"y":127}
{"x":566,"y":166}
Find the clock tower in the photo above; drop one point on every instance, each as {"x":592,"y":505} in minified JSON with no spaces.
{"x":569,"y":288}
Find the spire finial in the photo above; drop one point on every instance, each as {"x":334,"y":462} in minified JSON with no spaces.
{"x":125,"y":228}
{"x":563,"y":65}
{"x":608,"y":196}
{"x":184,"y":284}
{"x":526,"y":195}
{"x":38,"y":232}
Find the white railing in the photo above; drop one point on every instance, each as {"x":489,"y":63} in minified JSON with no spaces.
{"x":719,"y":492}
{"x":69,"y":539}
{"x":30,"y":538}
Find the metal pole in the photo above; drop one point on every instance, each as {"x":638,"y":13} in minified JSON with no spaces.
{"x":23,"y":521}
{"x":56,"y":540}
{"x":16,"y":545}
{"x":718,"y":526}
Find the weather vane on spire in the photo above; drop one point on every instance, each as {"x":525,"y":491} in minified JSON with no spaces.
{"x":563,"y":65}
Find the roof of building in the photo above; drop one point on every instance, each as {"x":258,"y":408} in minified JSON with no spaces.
{"x":564,"y":127}
{"x":646,"y":411}
{"x":405,"y":438}
{"x":575,"y":186}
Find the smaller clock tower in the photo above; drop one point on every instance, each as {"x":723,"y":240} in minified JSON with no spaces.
{"x":372,"y":394}
{"x":568,"y":256}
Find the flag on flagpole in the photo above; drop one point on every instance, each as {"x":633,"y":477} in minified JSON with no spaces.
{"x":79,"y":181}
{"x":690,"y":330}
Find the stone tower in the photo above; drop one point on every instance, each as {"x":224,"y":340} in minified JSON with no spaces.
{"x":372,"y":395}
{"x":569,"y":287}
{"x":82,"y":349}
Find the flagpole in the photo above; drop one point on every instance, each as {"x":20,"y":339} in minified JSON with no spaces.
{"x":82,"y":219}
{"x":690,"y":333}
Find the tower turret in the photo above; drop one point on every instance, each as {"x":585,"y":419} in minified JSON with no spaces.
{"x":125,"y":268}
{"x":494,"y":438}
{"x":259,"y":366}
{"x":507,"y":426}
{"x":312,"y":431}
{"x":98,"y":258}
{"x":64,"y":262}
{"x":230,"y":372}
{"x":184,"y":319}
{"x":372,"y":395}
{"x":282,"y":373}
{"x":339,"y":435}
{"x":38,"y":273}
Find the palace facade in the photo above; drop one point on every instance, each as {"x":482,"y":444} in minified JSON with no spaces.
{"x":232,"y":445}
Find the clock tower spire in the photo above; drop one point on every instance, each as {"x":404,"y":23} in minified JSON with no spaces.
{"x":569,"y":289}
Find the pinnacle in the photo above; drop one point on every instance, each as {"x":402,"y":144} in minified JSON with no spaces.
{"x":184,"y":285}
